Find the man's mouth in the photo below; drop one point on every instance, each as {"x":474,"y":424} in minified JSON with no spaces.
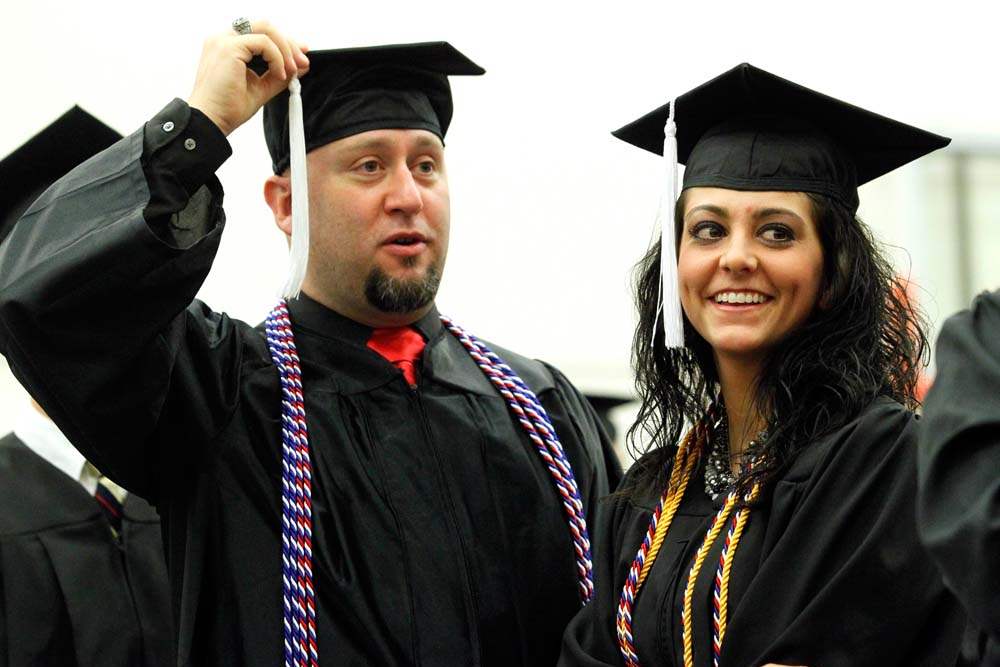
{"x":405,"y":244}
{"x":405,"y":239}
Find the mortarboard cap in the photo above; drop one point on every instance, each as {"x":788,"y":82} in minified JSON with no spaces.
{"x":349,"y":91}
{"x":30,"y":169}
{"x":748,"y":129}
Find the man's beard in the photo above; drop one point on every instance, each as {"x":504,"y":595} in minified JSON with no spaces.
{"x":391,"y":295}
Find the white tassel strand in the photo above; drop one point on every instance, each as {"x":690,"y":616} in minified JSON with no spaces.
{"x":298,"y":257}
{"x":673,"y":321}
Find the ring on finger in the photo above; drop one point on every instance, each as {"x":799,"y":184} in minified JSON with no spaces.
{"x":242,"y":26}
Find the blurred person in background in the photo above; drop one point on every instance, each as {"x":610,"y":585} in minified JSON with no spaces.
{"x":82,"y":575}
{"x":959,"y":466}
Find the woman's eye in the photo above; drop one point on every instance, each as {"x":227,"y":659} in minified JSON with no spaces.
{"x":707,"y":231}
{"x":777,"y":234}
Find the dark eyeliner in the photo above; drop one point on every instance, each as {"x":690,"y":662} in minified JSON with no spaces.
{"x":780,"y":227}
{"x":695,"y":229}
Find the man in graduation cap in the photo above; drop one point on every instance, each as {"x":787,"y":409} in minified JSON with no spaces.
{"x":361,"y":475}
{"x":82,"y":575}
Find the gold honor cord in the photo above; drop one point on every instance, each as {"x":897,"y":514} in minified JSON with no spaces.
{"x":727,"y":567}
{"x":685,"y":461}
{"x":684,"y":464}
{"x":713,"y":534}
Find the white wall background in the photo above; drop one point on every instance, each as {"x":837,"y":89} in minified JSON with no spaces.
{"x":549,"y":212}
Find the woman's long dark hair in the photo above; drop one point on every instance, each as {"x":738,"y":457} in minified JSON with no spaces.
{"x":867,"y":340}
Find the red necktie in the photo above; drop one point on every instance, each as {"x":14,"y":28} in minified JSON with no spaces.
{"x":400,"y":346}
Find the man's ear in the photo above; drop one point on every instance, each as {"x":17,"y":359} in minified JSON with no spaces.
{"x":278,"y":195}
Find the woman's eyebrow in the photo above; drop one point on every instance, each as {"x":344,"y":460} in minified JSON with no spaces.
{"x":711,"y":208}
{"x":766,"y":212}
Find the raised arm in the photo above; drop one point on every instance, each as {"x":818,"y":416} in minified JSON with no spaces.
{"x":97,"y":277}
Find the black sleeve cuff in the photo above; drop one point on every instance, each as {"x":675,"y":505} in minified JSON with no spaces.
{"x":183,"y":142}
{"x":182,"y":149}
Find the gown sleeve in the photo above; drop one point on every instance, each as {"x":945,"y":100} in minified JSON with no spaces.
{"x":96,"y":287}
{"x":959,"y":461}
{"x":846,"y":581}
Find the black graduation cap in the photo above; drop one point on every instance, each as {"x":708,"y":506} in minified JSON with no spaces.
{"x":27,"y":172}
{"x":349,"y":91}
{"x":748,"y":129}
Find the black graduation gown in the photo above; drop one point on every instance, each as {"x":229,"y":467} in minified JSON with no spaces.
{"x":439,"y":538}
{"x":829,"y":572}
{"x":68,"y":594}
{"x":959,"y":465}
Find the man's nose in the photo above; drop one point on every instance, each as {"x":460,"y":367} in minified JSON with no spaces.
{"x":404,"y":193}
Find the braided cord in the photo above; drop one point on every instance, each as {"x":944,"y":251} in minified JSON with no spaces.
{"x":678,"y":481}
{"x":533,"y":418}
{"x":684,"y":463}
{"x":687,"y":621}
{"x":723,"y":572}
{"x":683,"y":467}
{"x":718,"y":613}
{"x":720,"y":595}
{"x":298,"y":594}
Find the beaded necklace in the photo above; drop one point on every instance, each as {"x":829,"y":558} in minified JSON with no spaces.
{"x":685,"y":461}
{"x":719,"y":477}
{"x":298,"y":594}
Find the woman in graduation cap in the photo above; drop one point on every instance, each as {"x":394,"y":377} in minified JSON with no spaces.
{"x":779,"y":529}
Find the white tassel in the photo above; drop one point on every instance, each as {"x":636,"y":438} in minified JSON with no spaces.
{"x":673,"y":321}
{"x":298,"y":257}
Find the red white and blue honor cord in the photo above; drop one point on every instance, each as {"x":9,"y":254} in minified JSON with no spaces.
{"x":528,"y":411}
{"x":298,"y":593}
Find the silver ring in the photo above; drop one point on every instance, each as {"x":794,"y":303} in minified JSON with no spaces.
{"x":242,"y":26}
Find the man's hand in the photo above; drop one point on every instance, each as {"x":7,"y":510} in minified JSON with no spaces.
{"x":227,"y":91}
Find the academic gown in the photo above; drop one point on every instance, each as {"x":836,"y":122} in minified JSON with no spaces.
{"x":829,"y":572}
{"x":69,"y":595}
{"x":959,"y":465}
{"x":438,"y":536}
